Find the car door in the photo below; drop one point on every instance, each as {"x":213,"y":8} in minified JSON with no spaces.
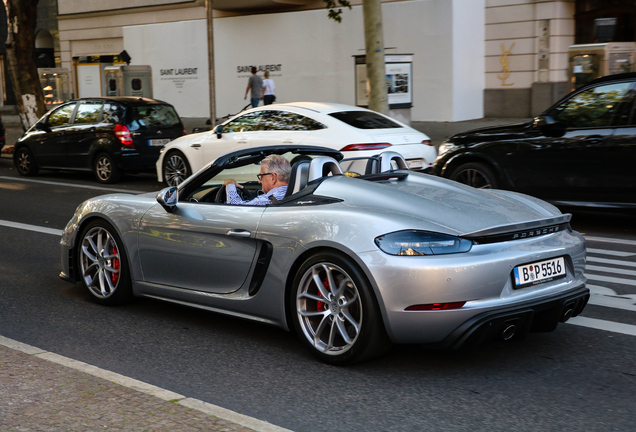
{"x":82,"y":133}
{"x":570,"y":166}
{"x":618,"y":182}
{"x":49,"y":147}
{"x":200,"y":246}
{"x":238,"y":133}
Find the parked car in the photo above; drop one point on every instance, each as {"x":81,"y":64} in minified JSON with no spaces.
{"x":579,"y":152}
{"x":352,"y":130}
{"x":2,"y":142}
{"x":107,"y":136}
{"x":352,"y":264}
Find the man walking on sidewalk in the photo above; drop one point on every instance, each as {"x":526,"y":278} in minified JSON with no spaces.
{"x":255,"y":83}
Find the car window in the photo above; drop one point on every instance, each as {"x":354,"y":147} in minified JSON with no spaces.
{"x":277,"y":121}
{"x":61,"y":116}
{"x":246,"y":123}
{"x":153,"y":115}
{"x":113,"y":113}
{"x":365,"y":120}
{"x":308,"y":124}
{"x":595,"y":107}
{"x":625,"y":114}
{"x":88,"y":113}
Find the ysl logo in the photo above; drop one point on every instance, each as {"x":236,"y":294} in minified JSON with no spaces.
{"x":503,"y":59}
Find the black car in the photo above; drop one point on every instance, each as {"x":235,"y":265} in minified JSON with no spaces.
{"x":580,"y":152}
{"x":107,"y":135}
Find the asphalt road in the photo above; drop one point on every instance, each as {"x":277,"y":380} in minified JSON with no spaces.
{"x":576,"y":378}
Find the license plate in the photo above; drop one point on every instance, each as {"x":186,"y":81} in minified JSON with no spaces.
{"x":415,"y":164}
{"x":159,"y":142}
{"x":539,"y":272}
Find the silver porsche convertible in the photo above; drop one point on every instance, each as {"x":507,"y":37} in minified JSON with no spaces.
{"x":351,"y":261}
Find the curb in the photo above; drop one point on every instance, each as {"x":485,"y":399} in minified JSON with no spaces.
{"x":142,"y":387}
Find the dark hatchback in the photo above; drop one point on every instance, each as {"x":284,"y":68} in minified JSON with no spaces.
{"x":107,"y":135}
{"x":579,"y":152}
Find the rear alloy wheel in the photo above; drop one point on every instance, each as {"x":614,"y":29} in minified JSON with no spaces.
{"x":103,"y":263}
{"x":335,"y":312}
{"x":475,"y":174}
{"x":25,"y":162}
{"x":175,"y":168}
{"x":105,"y":169}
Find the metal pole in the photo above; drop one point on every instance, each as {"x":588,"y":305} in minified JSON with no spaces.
{"x":209,"y":13}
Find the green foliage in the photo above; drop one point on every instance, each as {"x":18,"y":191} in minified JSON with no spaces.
{"x":335,"y":10}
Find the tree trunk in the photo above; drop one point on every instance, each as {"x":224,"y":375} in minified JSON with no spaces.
{"x":374,"y":42}
{"x":21,"y":16}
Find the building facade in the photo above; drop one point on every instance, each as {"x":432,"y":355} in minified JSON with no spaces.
{"x":461,"y":59}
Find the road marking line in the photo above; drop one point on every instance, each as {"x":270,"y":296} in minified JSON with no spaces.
{"x":610,"y":252}
{"x":611,"y":279}
{"x":611,"y":261}
{"x":598,"y":324}
{"x":611,"y":240}
{"x":613,"y":302}
{"x":611,"y":270}
{"x":72,"y":185}
{"x":27,"y":227}
{"x":142,"y":387}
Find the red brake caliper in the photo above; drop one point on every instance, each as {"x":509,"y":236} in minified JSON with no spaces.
{"x":115,"y":276}
{"x":323,"y":306}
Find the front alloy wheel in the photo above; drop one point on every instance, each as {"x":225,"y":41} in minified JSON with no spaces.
{"x":476,"y":175}
{"x":103,"y":265}
{"x":336,"y":312}
{"x":175,"y":169}
{"x":25,"y":162}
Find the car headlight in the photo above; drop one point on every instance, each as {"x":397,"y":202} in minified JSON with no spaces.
{"x":416,"y":243}
{"x":445,"y":147}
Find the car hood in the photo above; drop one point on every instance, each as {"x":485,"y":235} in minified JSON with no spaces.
{"x":496,"y":133}
{"x":428,"y":202}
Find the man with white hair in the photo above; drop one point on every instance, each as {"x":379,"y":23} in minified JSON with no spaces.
{"x":274,"y":177}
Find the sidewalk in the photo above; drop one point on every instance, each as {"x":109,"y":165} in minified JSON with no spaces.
{"x":42,"y":391}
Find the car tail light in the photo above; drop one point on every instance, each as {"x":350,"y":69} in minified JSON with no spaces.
{"x":124,"y":136}
{"x":184,"y":131}
{"x":369,"y":146}
{"x":427,"y":142}
{"x":435,"y":306}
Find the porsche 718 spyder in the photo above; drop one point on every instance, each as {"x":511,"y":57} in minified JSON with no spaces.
{"x":353,"y":262}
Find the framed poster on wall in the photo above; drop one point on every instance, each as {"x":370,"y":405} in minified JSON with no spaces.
{"x":399,"y":80}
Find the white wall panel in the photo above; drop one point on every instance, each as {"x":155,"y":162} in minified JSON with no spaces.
{"x":177,"y":53}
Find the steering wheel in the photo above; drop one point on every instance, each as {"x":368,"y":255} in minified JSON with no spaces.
{"x":221,"y":196}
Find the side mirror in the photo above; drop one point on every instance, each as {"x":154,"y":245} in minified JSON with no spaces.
{"x":43,"y":127}
{"x":168,"y":198}
{"x":549,"y":127}
{"x":218,"y":131}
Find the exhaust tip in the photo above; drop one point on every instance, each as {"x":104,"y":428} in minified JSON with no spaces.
{"x":567,"y":315}
{"x":508,"y":332}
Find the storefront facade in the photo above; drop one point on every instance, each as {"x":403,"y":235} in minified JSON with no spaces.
{"x":469,"y":58}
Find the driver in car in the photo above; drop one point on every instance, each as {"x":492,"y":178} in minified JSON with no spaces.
{"x":274,"y":177}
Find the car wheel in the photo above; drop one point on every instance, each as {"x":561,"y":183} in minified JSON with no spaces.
{"x":175,"y":168}
{"x":103,"y":265}
{"x":476,"y":175}
{"x":335,"y":312}
{"x":105,"y":169}
{"x":25,"y":162}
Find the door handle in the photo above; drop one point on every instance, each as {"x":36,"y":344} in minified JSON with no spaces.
{"x":195,"y":145}
{"x":288,"y":141}
{"x":594,"y":139}
{"x":239,"y":233}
